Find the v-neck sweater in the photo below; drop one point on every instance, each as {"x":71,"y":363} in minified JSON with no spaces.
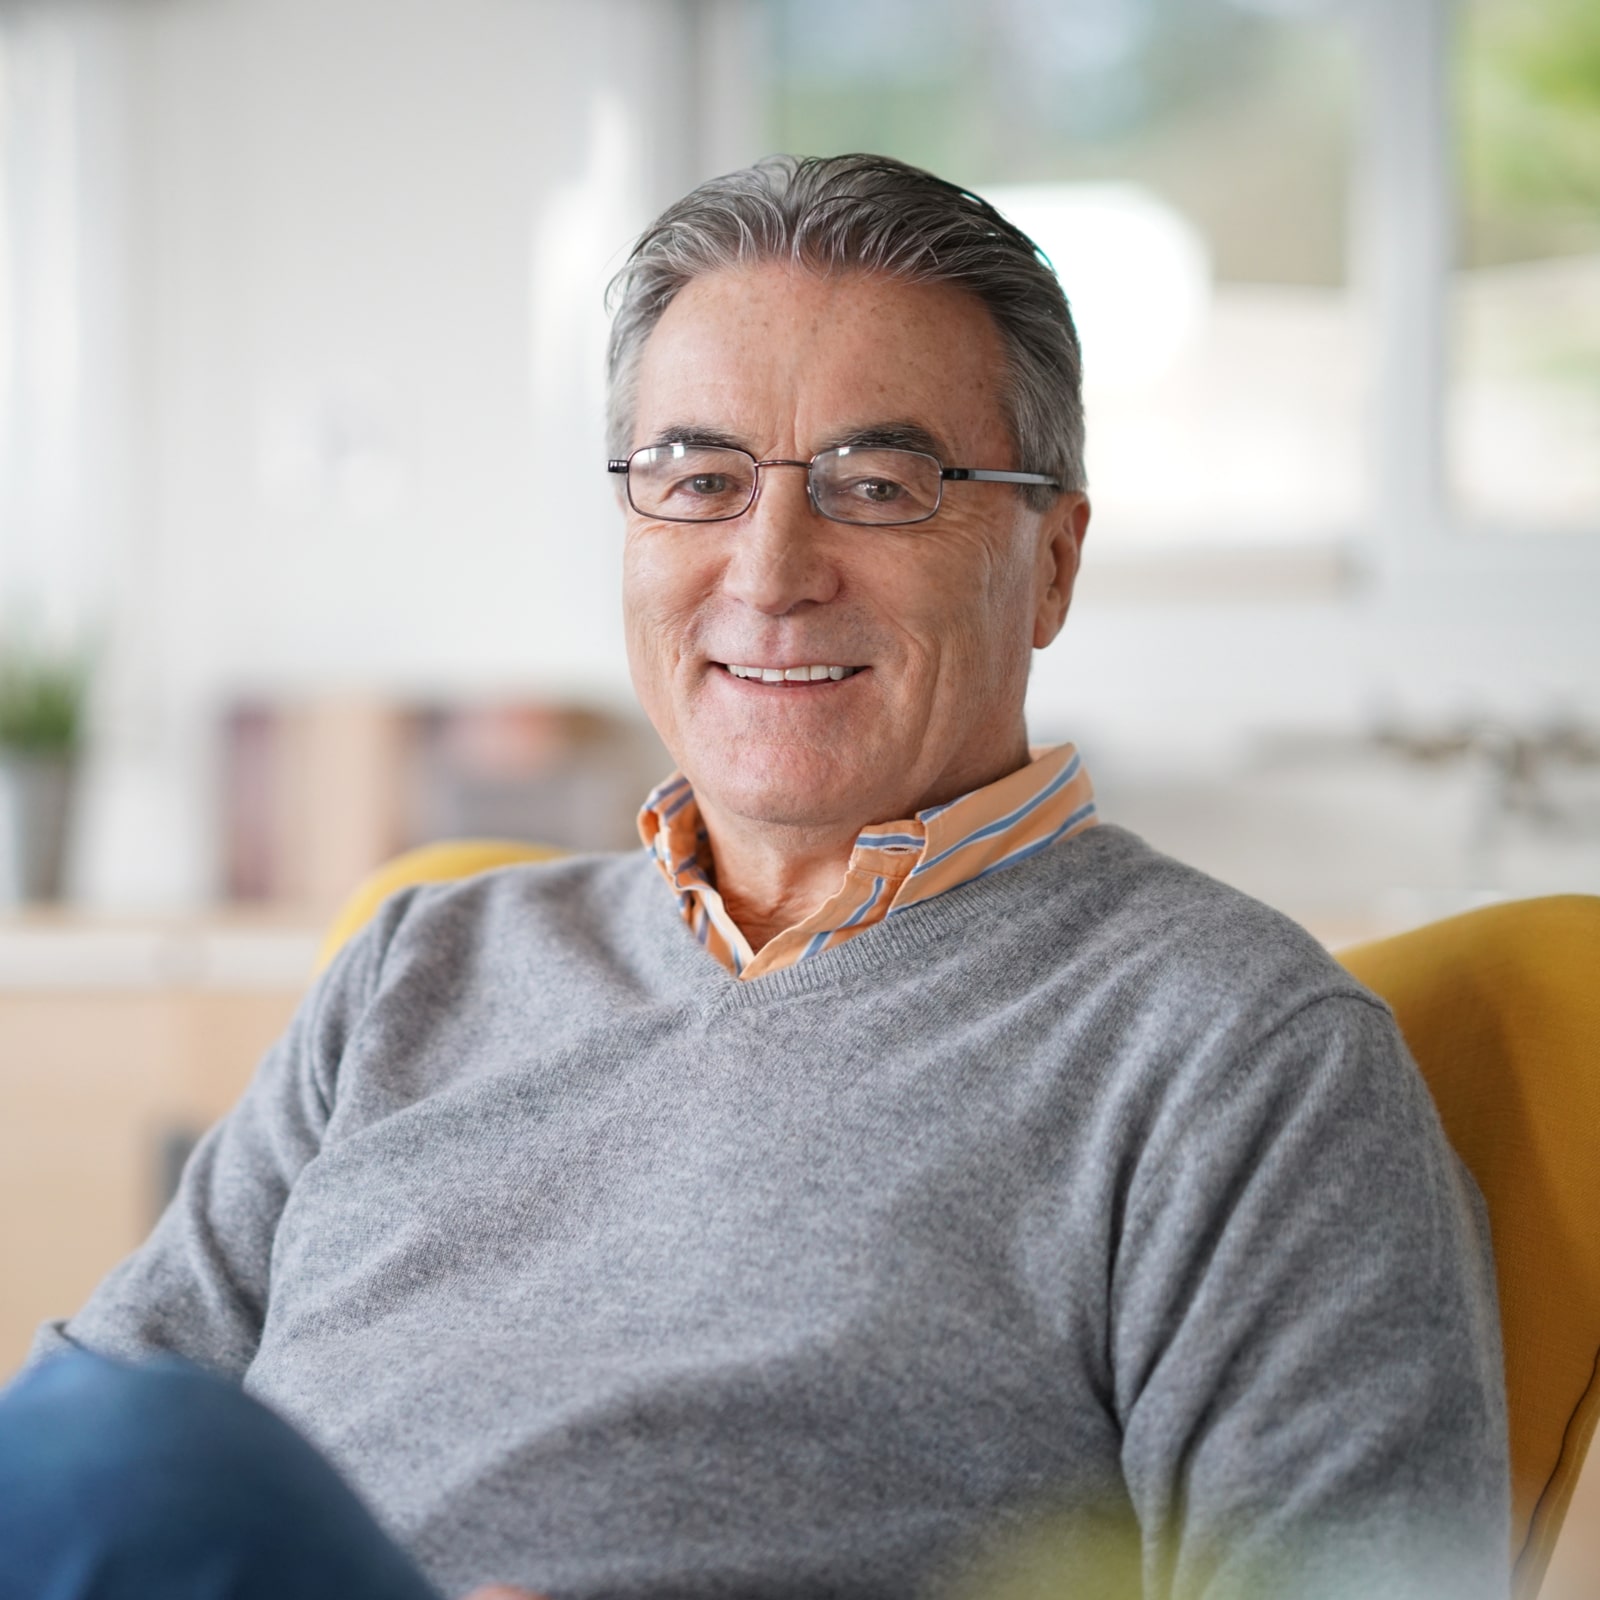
{"x":1090,"y":1197}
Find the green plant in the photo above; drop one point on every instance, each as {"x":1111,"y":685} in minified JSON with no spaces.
{"x":41,"y":703}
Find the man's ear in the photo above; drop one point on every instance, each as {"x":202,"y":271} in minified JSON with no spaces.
{"x":1062,"y":530}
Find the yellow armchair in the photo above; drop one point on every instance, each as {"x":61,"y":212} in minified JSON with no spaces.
{"x":1501,"y":1008}
{"x":429,"y":863}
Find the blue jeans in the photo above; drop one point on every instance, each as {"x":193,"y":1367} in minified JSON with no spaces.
{"x":163,"y":1482}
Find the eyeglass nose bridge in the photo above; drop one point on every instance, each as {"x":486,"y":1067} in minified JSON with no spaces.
{"x":780,"y":461}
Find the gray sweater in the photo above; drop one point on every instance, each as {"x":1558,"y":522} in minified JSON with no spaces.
{"x":1087,"y":1219}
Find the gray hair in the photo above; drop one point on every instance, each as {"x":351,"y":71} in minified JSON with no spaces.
{"x":866,"y":213}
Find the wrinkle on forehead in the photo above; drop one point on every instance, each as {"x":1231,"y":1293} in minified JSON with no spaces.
{"x":788,"y":360}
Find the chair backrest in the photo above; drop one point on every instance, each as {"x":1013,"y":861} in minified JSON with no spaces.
{"x":1501,"y":1008}
{"x":430,"y":863}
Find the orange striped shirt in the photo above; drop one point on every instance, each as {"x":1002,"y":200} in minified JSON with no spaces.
{"x":893,"y":865}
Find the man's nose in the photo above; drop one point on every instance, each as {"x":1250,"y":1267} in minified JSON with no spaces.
{"x":779,"y":557}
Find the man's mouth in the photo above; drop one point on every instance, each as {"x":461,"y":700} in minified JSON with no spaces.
{"x":807,"y":674}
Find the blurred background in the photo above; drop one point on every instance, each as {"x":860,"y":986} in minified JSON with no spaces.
{"x":307,"y":552}
{"x":301,"y":502}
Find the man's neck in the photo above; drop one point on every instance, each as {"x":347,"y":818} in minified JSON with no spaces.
{"x":773,"y":876}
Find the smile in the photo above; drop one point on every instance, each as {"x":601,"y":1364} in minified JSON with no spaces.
{"x":791,"y":674}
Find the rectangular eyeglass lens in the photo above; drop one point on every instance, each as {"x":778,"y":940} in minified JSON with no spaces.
{"x":877,"y":486}
{"x":690,"y":482}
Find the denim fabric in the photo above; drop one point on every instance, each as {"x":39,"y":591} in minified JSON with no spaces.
{"x":165,"y":1482}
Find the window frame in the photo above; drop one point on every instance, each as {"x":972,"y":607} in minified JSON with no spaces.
{"x":1407,"y":211}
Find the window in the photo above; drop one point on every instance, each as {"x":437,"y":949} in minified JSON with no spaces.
{"x":1336,"y":266}
{"x":1524,"y":306}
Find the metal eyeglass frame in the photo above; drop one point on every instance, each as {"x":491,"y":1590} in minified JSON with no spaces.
{"x":946,"y":475}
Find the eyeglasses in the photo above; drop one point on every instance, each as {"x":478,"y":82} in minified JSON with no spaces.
{"x":864,"y":484}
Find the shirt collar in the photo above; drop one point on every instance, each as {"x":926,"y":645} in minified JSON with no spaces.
{"x":892,"y":865}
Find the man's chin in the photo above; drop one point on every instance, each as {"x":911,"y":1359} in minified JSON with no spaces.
{"x":824,"y":801}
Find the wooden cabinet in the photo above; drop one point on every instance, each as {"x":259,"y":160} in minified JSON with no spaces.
{"x":117,"y":1043}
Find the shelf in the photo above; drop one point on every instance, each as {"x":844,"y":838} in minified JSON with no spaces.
{"x":223,"y":951}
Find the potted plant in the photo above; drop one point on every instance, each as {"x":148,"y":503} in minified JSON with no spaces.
{"x":41,"y":728}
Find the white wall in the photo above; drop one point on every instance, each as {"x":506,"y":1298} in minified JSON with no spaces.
{"x":344,"y":300}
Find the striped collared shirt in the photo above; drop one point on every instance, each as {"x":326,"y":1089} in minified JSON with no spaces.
{"x":893,"y":865}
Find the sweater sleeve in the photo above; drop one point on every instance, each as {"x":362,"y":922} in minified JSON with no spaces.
{"x":199,"y":1285}
{"x":1305,"y":1339}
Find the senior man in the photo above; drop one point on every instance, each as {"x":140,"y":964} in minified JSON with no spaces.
{"x":921,"y":1166}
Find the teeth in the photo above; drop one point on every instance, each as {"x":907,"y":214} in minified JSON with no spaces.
{"x":792,"y":674}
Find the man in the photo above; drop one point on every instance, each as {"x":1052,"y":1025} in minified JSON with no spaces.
{"x":923,"y":1172}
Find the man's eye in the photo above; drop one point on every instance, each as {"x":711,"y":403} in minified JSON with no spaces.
{"x":707,"y":483}
{"x":880,"y":491}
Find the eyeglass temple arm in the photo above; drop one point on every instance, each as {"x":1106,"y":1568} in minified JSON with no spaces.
{"x":616,"y":466}
{"x":990,"y":475}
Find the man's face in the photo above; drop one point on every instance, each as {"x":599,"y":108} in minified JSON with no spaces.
{"x":937,"y":620}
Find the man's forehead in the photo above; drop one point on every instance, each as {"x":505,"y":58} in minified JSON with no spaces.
{"x":852,"y":357}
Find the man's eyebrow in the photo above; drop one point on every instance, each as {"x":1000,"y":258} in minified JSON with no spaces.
{"x":693,"y":433}
{"x":890,"y":436}
{"x":872,"y":436}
